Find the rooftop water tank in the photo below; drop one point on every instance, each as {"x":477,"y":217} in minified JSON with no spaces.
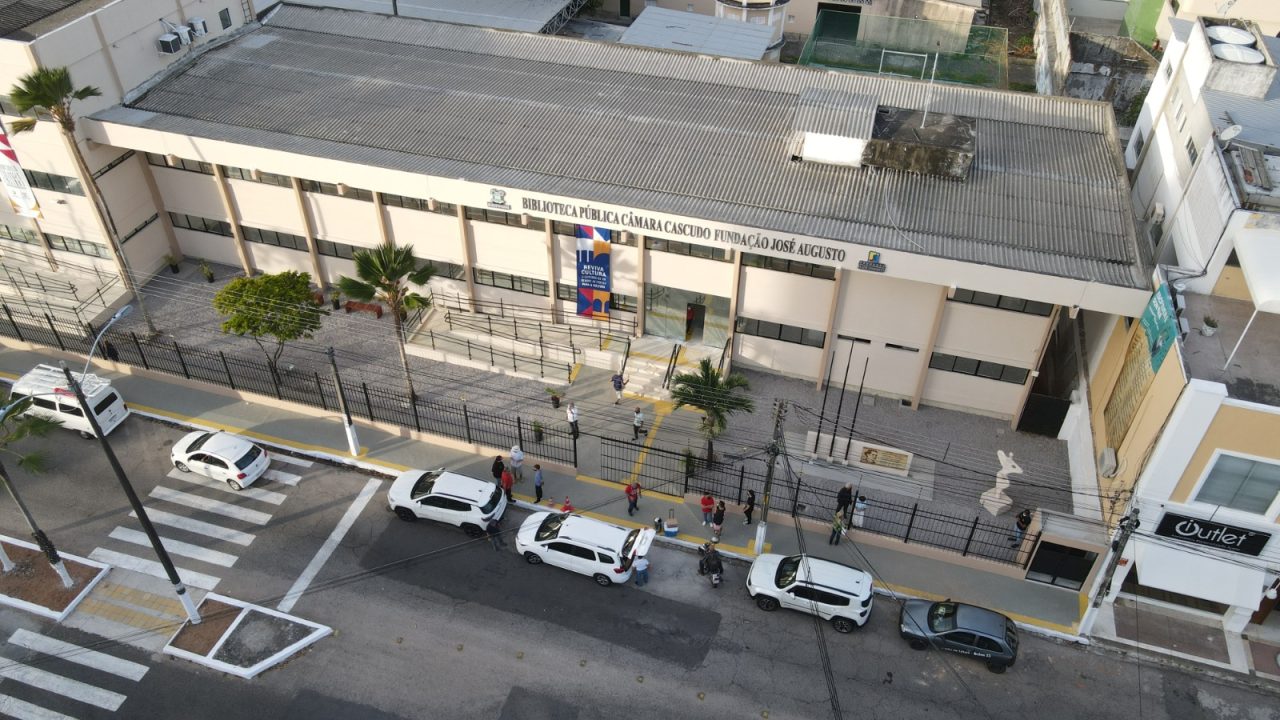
{"x":1229,"y":35}
{"x":1239,"y":54}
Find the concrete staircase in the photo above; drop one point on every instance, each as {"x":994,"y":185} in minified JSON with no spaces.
{"x":650,"y":357}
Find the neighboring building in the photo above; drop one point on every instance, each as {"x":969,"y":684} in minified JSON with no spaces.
{"x":1266,"y":13}
{"x":690,"y":32}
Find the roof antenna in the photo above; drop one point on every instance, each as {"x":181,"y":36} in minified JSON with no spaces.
{"x":928,"y":98}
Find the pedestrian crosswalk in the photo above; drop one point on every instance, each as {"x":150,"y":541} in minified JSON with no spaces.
{"x":204,"y":524}
{"x":44,"y":678}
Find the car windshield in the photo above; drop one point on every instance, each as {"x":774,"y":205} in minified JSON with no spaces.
{"x":942,"y":617}
{"x":199,"y":442}
{"x":423,"y":486}
{"x":493,"y":501}
{"x":248,"y":458}
{"x":787,"y":570}
{"x":550,"y":527}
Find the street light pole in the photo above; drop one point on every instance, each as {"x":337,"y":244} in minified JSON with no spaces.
{"x":353,"y":443}
{"x":775,"y":449}
{"x":42,"y":540}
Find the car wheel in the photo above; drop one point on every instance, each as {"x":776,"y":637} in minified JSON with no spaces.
{"x":182,"y":467}
{"x":602,"y":580}
{"x":533,"y":558}
{"x":235,"y":485}
{"x":843,"y":625}
{"x":917,"y":644}
{"x":766,"y":603}
{"x":997,"y":668}
{"x":405,"y":514}
{"x":472,"y":531}
{"x":86,"y":435}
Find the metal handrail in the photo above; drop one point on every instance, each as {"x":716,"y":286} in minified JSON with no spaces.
{"x":510,"y":328}
{"x":723,"y":352}
{"x":671,"y":366}
{"x":454,"y":301}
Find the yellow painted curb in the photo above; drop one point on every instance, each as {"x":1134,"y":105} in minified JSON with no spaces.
{"x":613,"y":485}
{"x":1017,"y":617}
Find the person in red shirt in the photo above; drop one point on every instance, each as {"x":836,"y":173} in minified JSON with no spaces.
{"x":708,"y":508}
{"x":508,"y":480}
{"x":633,"y":496}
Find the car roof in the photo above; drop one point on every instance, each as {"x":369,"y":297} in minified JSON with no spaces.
{"x":225,"y":444}
{"x":988,"y":622}
{"x":593,"y":532}
{"x":825,"y":572}
{"x":462,"y":486}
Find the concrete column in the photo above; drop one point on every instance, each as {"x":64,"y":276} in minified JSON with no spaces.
{"x":171,"y":238}
{"x":733,"y":312}
{"x":468,"y":254}
{"x":553,"y":268}
{"x":304,"y":212}
{"x":642,"y":271}
{"x":928,"y":347}
{"x":1035,"y":371}
{"x":44,"y":245}
{"x":381,"y":216}
{"x":836,"y":285}
{"x":236,"y":231}
{"x":1238,"y":617}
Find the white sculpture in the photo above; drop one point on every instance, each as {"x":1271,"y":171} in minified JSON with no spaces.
{"x":996,"y":500}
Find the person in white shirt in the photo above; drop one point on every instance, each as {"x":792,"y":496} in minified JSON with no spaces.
{"x":572,"y":414}
{"x":517,"y":462}
{"x":637,"y":424}
{"x":642,"y":570}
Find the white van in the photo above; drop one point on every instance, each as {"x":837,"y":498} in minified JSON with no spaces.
{"x":51,"y":398}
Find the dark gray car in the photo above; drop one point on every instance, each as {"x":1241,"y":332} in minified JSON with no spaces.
{"x":960,"y":628}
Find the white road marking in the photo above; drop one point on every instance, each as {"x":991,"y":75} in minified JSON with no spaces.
{"x":266,"y":496}
{"x":66,"y":687}
{"x":81,"y":656}
{"x":153,"y":568}
{"x":216,"y":507}
{"x":160,"y":517}
{"x":331,"y":544}
{"x":23,"y":710}
{"x":291,"y":460}
{"x":281,"y":477}
{"x":177,"y":547}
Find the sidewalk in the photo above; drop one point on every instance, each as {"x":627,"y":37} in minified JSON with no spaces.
{"x":919,"y":572}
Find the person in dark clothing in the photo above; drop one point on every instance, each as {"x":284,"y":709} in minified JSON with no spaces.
{"x":844,"y":500}
{"x":750,"y":507}
{"x":498,"y":467}
{"x":1020,"y":528}
{"x":717,"y":521}
{"x":494,"y":529}
{"x":110,"y":351}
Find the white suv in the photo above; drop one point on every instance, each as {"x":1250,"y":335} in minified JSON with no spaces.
{"x":446,"y":497}
{"x":591,"y":547}
{"x":835,"y":592}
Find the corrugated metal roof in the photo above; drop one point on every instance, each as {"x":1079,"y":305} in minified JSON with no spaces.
{"x":523,"y":15}
{"x":835,"y":112}
{"x":668,"y":132}
{"x":694,"y":32}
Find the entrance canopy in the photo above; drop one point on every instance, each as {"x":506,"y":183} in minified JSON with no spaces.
{"x":1190,"y":572}
{"x":1259,"y":254}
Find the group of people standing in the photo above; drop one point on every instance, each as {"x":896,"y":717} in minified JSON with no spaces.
{"x":850,"y":512}
{"x":573,"y":415}
{"x":713,"y":512}
{"x":510,"y":470}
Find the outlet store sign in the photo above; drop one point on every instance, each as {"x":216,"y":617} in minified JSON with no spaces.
{"x":1212,"y":534}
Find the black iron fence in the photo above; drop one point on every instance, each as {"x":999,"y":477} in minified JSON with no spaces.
{"x":302,"y":386}
{"x":680,"y":473}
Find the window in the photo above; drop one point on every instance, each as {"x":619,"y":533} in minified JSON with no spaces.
{"x":499,"y":217}
{"x":566,"y":292}
{"x":1001,"y":302}
{"x":105,"y":403}
{"x":406,"y":202}
{"x":778,"y":331}
{"x":1168,"y":69}
{"x":192,"y":222}
{"x":18,"y":234}
{"x":962,"y":638}
{"x":224,"y":16}
{"x":1139,"y":142}
{"x":986,"y":644}
{"x":624,"y":303}
{"x":684,"y":248}
{"x":278,"y":239}
{"x":325,"y":188}
{"x":75,"y":245}
{"x":194,"y":166}
{"x":616,"y":237}
{"x":896,"y":346}
{"x":265,"y":178}
{"x":129,"y":235}
{"x":795,"y":267}
{"x":507,"y":281}
{"x":1192,"y":154}
{"x":56,"y":183}
{"x":335,"y":249}
{"x":1241,"y":484}
{"x":804,"y":592}
{"x":446,"y":269}
{"x":980,"y":368}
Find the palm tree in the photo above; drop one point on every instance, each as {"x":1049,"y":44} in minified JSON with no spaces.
{"x":14,"y":426}
{"x":717,"y":396}
{"x":49,"y":92}
{"x":385,"y":274}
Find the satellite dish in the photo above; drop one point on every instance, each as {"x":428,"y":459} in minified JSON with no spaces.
{"x":1231,"y":133}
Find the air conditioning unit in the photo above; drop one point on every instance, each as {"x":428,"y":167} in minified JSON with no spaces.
{"x":184,"y":33}
{"x":199,"y":27}
{"x":170,"y":44}
{"x":1107,"y":463}
{"x":1157,"y":214}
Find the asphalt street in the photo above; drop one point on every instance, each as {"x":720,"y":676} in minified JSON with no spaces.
{"x":432,"y":624}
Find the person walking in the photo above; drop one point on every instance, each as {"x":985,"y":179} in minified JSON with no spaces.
{"x":637,"y":424}
{"x":844,"y":499}
{"x":633,"y":497}
{"x":619,"y":382}
{"x":859,"y":511}
{"x":717,"y":521}
{"x":1020,"y":527}
{"x":572,"y":414}
{"x":537,"y":484}
{"x":750,"y":507}
{"x":517,"y":463}
{"x":837,"y":529}
{"x":508,"y":480}
{"x":498,"y":467}
{"x":641,"y":567}
{"x":708,"y":505}
{"x":494,"y":530}
{"x":110,"y":351}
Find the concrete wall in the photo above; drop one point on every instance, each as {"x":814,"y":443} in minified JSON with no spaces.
{"x":1053,"y":46}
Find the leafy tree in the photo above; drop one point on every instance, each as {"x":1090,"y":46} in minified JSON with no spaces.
{"x":271,"y":310}
{"x":717,"y":396}
{"x":48,"y":93}
{"x":15,"y":427}
{"x":386,"y":274}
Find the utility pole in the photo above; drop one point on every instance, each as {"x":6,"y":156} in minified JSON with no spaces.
{"x":353,"y":443}
{"x":774,"y":450}
{"x":1128,"y":524}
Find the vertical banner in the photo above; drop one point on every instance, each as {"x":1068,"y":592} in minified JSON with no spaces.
{"x":594,"y":278}
{"x":15,"y":183}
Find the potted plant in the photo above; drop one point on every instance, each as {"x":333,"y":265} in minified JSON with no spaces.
{"x":206,"y":271}
{"x":555,"y":397}
{"x":1210,"y":326}
{"x":537,"y":431}
{"x":172,"y":262}
{"x":690,"y":463}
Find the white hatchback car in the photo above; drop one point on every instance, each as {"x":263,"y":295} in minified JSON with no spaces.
{"x":221,"y":456}
{"x":446,"y":497}
{"x":601,"y":550}
{"x":835,"y":592}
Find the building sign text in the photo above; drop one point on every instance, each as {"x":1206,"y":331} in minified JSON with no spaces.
{"x":1212,"y":534}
